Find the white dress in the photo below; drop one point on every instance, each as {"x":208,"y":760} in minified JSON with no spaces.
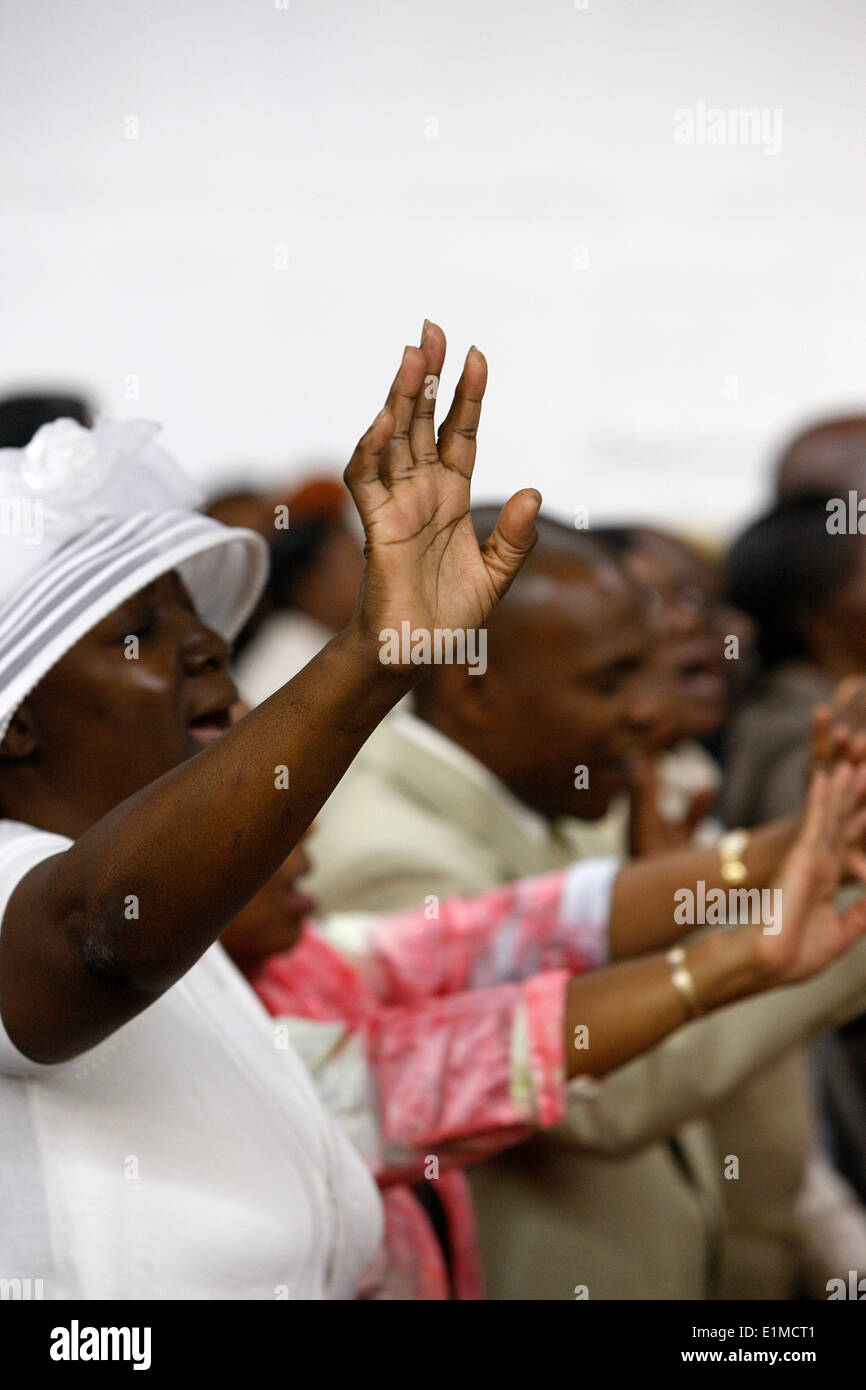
{"x":186,"y":1156}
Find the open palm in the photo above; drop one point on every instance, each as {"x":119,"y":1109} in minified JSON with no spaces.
{"x":813,"y":931}
{"x":411,"y":486}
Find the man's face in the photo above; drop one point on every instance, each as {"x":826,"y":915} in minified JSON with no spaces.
{"x":573,"y":700}
{"x":688,"y":638}
{"x":115,"y":714}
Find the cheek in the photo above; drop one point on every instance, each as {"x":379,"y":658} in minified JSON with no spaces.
{"x":135,"y":696}
{"x":144,"y":679}
{"x":563,"y":729}
{"x":581,"y":719}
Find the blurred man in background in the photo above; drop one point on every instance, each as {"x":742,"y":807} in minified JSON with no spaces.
{"x":514,"y":772}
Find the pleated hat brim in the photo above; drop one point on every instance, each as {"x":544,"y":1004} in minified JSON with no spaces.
{"x":85,"y":579}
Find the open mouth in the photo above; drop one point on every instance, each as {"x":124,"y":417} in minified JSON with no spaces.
{"x":300,"y":904}
{"x":700,"y":677}
{"x":207,"y":728}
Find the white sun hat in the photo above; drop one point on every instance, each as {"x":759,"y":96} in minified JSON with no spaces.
{"x":89,"y":517}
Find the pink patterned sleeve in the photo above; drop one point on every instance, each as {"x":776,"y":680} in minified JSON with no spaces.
{"x":455,"y":1077}
{"x":556,"y":921}
{"x":464,"y":1075}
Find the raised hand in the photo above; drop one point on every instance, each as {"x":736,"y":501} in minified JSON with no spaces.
{"x":650,"y":830}
{"x":411,"y":488}
{"x":839,"y":729}
{"x":813,"y":931}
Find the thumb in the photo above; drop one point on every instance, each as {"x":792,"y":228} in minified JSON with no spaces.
{"x":511,"y":539}
{"x":699,"y":808}
{"x":644,"y":782}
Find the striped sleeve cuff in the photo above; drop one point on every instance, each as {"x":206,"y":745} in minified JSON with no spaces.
{"x":538,"y":1049}
{"x":587,"y":892}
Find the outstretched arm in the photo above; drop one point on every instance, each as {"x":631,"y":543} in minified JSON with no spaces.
{"x":197,"y":844}
{"x":642,"y":909}
{"x":463,"y":1074}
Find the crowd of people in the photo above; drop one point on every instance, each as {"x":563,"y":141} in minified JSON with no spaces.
{"x":325,"y":974}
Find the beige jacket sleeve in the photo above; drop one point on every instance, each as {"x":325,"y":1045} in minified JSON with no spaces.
{"x":701,"y":1064}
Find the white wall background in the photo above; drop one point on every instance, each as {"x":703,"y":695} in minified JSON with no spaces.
{"x":159,"y":258}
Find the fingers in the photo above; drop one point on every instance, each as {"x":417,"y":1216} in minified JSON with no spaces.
{"x":397,"y":461}
{"x":384,"y":451}
{"x":403,"y":434}
{"x":833,"y":742}
{"x":644,"y":777}
{"x":511,"y":539}
{"x":700,"y":808}
{"x":842,"y":793}
{"x":362,"y":474}
{"x":644,"y":791}
{"x":850,"y":690}
{"x":840,"y":823}
{"x":855,"y":866}
{"x":812,"y":831}
{"x":460,"y":426}
{"x":839,"y":731}
{"x":422,"y":432}
{"x":854,"y":829}
{"x":821,"y":725}
{"x":850,"y":804}
{"x":854,"y":920}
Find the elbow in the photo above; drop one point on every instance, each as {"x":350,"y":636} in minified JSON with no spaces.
{"x":109,"y":951}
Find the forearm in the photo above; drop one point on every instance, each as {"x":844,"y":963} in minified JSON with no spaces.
{"x":699,"y":1065}
{"x":642,"y":909}
{"x":193,"y":847}
{"x":608,"y":1017}
{"x":616,"y":1014}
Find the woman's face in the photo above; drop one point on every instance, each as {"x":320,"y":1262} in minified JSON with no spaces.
{"x":144,"y":690}
{"x":273,"y":919}
{"x":690,"y":643}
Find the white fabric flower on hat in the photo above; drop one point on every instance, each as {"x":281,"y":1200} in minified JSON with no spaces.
{"x":81,"y":475}
{"x":64,"y":457}
{"x":69,"y":478}
{"x":89,"y":517}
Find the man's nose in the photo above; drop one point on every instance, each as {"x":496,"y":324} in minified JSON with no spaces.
{"x":648,"y":709}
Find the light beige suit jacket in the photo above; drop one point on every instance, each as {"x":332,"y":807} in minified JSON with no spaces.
{"x":625,"y":1197}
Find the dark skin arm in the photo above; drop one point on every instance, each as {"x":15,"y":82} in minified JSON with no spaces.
{"x":197,"y":844}
{"x":630,"y":1007}
{"x":643,"y":898}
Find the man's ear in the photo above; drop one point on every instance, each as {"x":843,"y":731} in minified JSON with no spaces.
{"x":473,"y":695}
{"x":21,"y":739}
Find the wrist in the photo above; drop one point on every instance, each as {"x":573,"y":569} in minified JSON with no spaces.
{"x":728,"y":965}
{"x":359,"y":652}
{"x":768,"y":846}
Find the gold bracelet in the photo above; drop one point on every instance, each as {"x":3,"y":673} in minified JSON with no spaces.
{"x":732,"y":847}
{"x":683,"y":980}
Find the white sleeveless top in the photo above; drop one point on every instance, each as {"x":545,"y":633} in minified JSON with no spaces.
{"x":186,"y":1156}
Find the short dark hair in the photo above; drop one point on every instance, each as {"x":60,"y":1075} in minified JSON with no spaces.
{"x":21,"y":416}
{"x":782,"y":569}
